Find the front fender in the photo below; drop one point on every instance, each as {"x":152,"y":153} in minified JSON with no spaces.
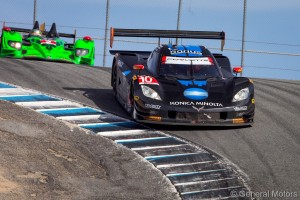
{"x":90,"y":56}
{"x":6,"y":49}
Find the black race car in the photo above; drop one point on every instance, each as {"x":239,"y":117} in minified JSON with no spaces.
{"x":180,"y":84}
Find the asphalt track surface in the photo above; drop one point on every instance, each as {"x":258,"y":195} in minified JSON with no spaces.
{"x":268,"y":152}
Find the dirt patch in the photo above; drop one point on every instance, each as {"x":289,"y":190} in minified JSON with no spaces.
{"x":42,"y":177}
{"x":6,"y":185}
{"x":61,"y":155}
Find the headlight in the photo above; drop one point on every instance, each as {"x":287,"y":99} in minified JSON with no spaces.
{"x":241,"y":95}
{"x":16,"y":45}
{"x":149,"y":92}
{"x":81,"y":52}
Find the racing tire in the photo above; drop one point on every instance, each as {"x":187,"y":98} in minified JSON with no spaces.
{"x":114,"y":81}
{"x":133,"y":112}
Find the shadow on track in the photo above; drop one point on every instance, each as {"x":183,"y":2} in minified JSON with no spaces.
{"x":193,"y":128}
{"x":104,"y":99}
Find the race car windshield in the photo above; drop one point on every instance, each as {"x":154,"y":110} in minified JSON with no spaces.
{"x":188,"y":68}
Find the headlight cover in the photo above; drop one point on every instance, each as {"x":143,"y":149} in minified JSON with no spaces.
{"x":241,"y":95}
{"x":16,"y":45}
{"x":149,"y":92}
{"x":81,"y":52}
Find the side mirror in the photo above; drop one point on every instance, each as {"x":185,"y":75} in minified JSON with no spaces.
{"x":6,"y":29}
{"x":87,"y":38}
{"x":237,"y":70}
{"x":138,"y":67}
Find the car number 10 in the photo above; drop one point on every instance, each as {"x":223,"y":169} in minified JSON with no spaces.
{"x":148,"y":80}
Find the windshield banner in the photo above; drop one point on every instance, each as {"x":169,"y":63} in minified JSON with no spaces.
{"x":186,"y":61}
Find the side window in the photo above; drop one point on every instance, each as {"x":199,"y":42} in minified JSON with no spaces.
{"x":152,"y":62}
{"x":149,"y":59}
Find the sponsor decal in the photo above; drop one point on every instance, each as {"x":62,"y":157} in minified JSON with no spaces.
{"x":157,"y":107}
{"x":186,"y":60}
{"x":51,"y":42}
{"x":185,"y":82}
{"x":125,"y":73}
{"x":191,"y":83}
{"x":198,"y":109}
{"x":242,"y":108}
{"x":195,"y":94}
{"x":253,"y":101}
{"x":199,"y":83}
{"x":147,"y":80}
{"x":194,"y":51}
{"x":199,"y":103}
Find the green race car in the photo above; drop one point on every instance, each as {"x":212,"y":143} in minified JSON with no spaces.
{"x":46,"y":45}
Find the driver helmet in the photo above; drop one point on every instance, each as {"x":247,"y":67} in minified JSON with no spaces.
{"x":36,"y":32}
{"x":197,"y":68}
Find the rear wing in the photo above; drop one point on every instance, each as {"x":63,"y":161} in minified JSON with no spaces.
{"x":67,"y":35}
{"x":25,"y":30}
{"x":166,"y":34}
{"x":114,"y":52}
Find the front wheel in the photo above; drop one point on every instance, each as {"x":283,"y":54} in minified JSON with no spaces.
{"x":114,"y":80}
{"x":133,"y":111}
{"x":0,"y":47}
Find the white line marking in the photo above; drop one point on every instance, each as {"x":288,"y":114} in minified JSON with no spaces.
{"x":122,"y":133}
{"x":22,"y":95}
{"x":62,"y":109}
{"x":41,"y":104}
{"x":172,"y":155}
{"x":199,"y":182}
{"x":15,"y":91}
{"x":104,"y":123}
{"x":216,"y":189}
{"x":194,"y":173}
{"x":140,"y":139}
{"x":159,"y":147}
{"x":80,"y":117}
{"x":184,"y":164}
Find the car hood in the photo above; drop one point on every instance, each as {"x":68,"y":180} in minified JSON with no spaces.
{"x":210,"y":93}
{"x":47,"y":51}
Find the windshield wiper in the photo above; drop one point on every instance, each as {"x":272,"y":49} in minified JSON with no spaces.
{"x":207,"y":78}
{"x":211,"y":78}
{"x":170,"y":77}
